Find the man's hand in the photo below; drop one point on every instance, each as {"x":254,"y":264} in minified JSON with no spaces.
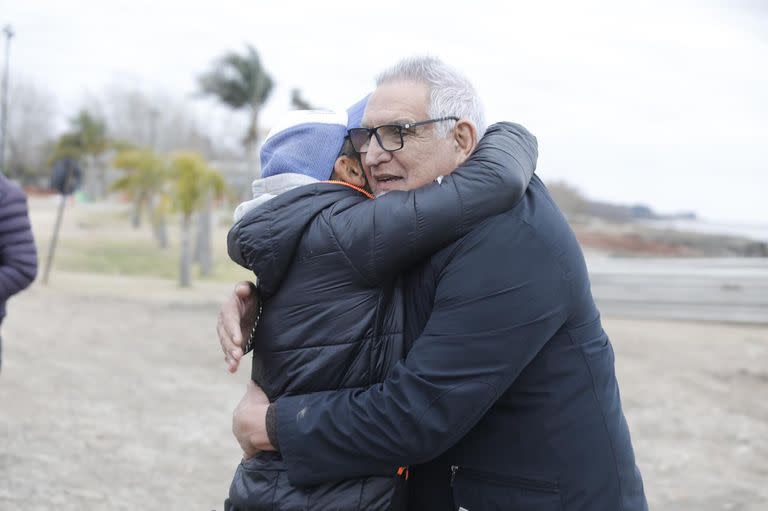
{"x":236,"y":318}
{"x":249,"y":423}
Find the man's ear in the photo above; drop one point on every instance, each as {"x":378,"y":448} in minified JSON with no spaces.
{"x":349,"y":170}
{"x":465,"y":138}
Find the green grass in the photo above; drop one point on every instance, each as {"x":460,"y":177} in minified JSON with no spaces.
{"x":140,"y":258}
{"x":102,"y":241}
{"x":115,"y":257}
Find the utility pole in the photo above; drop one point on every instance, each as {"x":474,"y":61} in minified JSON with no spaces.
{"x":8,"y":32}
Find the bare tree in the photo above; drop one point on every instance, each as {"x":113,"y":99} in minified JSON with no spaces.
{"x":568,"y":198}
{"x":30,"y":131}
{"x":153,"y":121}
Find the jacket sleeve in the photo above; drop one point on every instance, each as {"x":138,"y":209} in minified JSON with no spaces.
{"x":385,"y":236}
{"x":18,"y":256}
{"x":492,"y":315}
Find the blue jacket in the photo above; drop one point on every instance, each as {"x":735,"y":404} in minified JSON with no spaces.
{"x":510,"y":388}
{"x":327,"y":260}
{"x":18,"y":256}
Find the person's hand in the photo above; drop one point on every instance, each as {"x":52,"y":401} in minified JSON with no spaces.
{"x":249,"y":422}
{"x":236,"y":318}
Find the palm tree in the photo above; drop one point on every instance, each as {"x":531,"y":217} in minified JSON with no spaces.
{"x":67,"y":146}
{"x":298,"y":102}
{"x":203,"y":253}
{"x":89,"y":134}
{"x":146,"y":174}
{"x":193,"y":181}
{"x":240,"y":82}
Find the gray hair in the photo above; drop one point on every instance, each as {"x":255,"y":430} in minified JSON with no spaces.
{"x":450,"y":92}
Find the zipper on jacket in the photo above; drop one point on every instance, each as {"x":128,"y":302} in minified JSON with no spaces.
{"x":517,"y":482}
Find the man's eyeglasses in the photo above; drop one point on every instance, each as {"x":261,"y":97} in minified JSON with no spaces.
{"x":389,"y":136}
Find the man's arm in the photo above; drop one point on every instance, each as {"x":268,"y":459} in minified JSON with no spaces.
{"x":385,"y":236}
{"x":498,"y":301}
{"x":18,"y":255}
{"x":382,"y":237}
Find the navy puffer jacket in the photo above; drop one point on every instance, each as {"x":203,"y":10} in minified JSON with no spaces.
{"x":18,"y":257}
{"x":327,"y":259}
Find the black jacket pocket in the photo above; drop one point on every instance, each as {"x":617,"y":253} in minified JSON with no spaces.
{"x":476,"y":490}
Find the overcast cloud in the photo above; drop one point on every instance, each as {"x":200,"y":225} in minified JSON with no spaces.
{"x":663,"y":103}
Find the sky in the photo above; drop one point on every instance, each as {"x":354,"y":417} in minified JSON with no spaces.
{"x":663,"y":103}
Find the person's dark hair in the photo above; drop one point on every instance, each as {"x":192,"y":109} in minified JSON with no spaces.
{"x":347,"y":149}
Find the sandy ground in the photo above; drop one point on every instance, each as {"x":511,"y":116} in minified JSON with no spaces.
{"x":113,"y":395}
{"x":113,"y":402}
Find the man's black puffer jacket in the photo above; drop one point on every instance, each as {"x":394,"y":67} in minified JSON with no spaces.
{"x":327,"y":259}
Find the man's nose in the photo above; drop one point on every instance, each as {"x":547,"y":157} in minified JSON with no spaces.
{"x":375,"y":154}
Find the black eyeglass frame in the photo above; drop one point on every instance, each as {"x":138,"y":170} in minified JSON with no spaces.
{"x":400,"y":129}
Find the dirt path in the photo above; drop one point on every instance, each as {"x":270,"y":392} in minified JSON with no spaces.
{"x":113,"y":395}
{"x":109,"y":402}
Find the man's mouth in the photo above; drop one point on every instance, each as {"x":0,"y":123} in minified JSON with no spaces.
{"x":386,"y":178}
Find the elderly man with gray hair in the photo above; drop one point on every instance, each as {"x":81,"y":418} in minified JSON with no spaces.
{"x":507,"y":397}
